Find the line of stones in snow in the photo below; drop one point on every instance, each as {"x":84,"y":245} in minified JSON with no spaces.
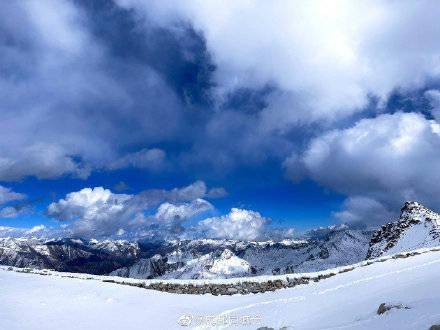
{"x":240,"y":287}
{"x":244,"y":287}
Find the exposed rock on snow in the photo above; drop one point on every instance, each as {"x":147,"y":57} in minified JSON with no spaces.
{"x":417,"y":227}
{"x":383,"y":308}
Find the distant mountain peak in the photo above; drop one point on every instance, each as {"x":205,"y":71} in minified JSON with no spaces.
{"x":417,"y":211}
{"x":417,"y":227}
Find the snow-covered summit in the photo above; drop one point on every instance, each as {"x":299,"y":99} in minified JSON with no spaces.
{"x":417,"y":227}
{"x":228,"y":264}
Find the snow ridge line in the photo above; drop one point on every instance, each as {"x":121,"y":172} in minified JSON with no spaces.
{"x":258,"y":284}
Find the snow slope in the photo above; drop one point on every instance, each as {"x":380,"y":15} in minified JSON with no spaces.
{"x":417,"y":227}
{"x":345,"y":301}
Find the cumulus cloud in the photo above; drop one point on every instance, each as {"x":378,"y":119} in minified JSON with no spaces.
{"x":169,"y":212}
{"x":95,"y":211}
{"x":131,"y":83}
{"x":88,"y":203}
{"x":238,"y":224}
{"x":173,"y":216}
{"x":389,"y":159}
{"x":99,"y":212}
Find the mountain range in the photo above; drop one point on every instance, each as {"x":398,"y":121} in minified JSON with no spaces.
{"x":416,"y":227}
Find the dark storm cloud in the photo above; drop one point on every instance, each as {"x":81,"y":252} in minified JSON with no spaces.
{"x":177,"y":53}
{"x":82,"y":84}
{"x":91,"y":84}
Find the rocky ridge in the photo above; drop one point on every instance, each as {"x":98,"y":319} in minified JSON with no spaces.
{"x":417,"y":227}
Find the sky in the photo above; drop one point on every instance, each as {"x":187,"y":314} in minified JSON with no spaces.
{"x":224,"y":119}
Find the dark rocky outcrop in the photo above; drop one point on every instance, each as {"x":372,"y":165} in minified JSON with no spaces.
{"x":383,"y":308}
{"x":414,"y":218}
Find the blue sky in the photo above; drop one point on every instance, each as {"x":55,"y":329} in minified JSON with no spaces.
{"x":303,"y":206}
{"x":298,"y":114}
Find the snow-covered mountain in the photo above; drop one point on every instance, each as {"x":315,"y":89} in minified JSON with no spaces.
{"x":73,"y":255}
{"x":217,"y":264}
{"x":417,"y":227}
{"x":206,"y":258}
{"x":203,"y":258}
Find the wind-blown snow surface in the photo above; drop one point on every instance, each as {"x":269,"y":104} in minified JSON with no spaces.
{"x":348,"y":300}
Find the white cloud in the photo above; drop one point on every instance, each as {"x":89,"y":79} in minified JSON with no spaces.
{"x":88,"y":203}
{"x":36,"y":229}
{"x":59,"y":24}
{"x":9,"y":212}
{"x":98,"y":212}
{"x":389,"y":159}
{"x":238,"y":224}
{"x":323,"y":59}
{"x":95,"y":211}
{"x":169,"y":212}
{"x":327,"y":58}
{"x":7,"y":195}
